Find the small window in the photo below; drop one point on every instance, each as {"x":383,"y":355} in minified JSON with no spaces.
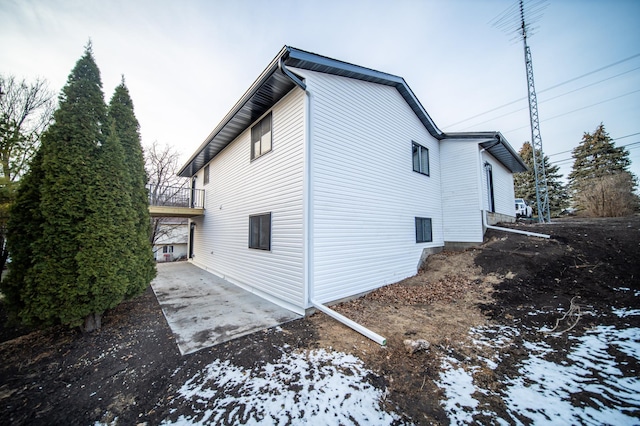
{"x":261,"y":137}
{"x":420,"y":159}
{"x":206,"y":174}
{"x":167,"y":249}
{"x":423,"y":230}
{"x":260,"y":231}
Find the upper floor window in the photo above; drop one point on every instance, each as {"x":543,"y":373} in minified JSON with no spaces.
{"x":206,"y":174}
{"x":420,"y":159}
{"x":261,"y":137}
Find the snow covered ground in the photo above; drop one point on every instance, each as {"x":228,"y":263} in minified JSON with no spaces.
{"x":316,"y":387}
{"x":589,"y":384}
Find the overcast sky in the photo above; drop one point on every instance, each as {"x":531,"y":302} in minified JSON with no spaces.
{"x":186,"y":63}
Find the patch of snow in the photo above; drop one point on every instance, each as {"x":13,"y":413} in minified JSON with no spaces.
{"x":589,"y":387}
{"x":624,"y":312}
{"x":458,"y":387}
{"x":315,"y":387}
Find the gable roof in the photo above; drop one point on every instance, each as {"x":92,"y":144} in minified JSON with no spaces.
{"x":276,"y":81}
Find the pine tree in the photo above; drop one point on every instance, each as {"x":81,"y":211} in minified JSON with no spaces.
{"x":596,"y":156}
{"x":599,"y":163}
{"x":525,"y":183}
{"x":127,"y":129}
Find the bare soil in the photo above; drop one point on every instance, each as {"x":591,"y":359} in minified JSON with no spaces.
{"x":132,"y":369}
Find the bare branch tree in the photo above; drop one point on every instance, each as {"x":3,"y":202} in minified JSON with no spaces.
{"x":162,"y":163}
{"x":26,"y":110}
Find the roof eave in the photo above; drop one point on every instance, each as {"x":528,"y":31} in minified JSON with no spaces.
{"x":497,"y":145}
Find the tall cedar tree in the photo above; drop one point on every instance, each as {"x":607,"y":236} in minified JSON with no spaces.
{"x":525,"y":183}
{"x":128,"y":132}
{"x":72,"y":226}
{"x":596,"y":156}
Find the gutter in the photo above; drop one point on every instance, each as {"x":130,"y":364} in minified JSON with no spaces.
{"x":291,"y":75}
{"x":308,"y":238}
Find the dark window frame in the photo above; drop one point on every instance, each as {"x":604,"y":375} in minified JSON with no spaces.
{"x":421,"y":151}
{"x":420,"y":230}
{"x":259,"y":131}
{"x":206,"y":174}
{"x":490,"y":189}
{"x":260,"y":231}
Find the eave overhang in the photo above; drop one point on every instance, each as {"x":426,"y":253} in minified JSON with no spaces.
{"x":497,"y":146}
{"x":274,"y":83}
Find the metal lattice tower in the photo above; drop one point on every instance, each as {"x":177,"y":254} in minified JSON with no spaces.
{"x":507,"y":21}
{"x":542,"y":195}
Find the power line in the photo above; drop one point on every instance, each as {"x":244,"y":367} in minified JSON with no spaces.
{"x":616,"y":139}
{"x":554,"y":97}
{"x":579,"y":109}
{"x":566,"y":160}
{"x":571,"y":80}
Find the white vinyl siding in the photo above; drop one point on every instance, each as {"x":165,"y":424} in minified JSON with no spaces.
{"x":460,"y":192}
{"x":240,"y":188}
{"x":365,"y":195}
{"x":503,"y":192}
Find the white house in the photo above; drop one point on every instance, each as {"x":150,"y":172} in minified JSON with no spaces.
{"x":172,"y":237}
{"x":328,"y":179}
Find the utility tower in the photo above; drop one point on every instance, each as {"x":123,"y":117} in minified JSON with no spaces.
{"x":505,"y":21}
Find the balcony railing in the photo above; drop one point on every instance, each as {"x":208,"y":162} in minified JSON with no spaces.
{"x":174,"y":196}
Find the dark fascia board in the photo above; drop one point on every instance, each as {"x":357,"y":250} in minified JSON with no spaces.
{"x":497,"y":146}
{"x":310,"y":61}
{"x":273,"y":84}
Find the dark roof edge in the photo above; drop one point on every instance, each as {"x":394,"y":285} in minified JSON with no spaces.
{"x":291,"y":56}
{"x":271,"y":68}
{"x":297,"y":56}
{"x":499,"y":140}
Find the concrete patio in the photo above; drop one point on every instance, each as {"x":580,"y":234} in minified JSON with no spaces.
{"x":204,"y":310}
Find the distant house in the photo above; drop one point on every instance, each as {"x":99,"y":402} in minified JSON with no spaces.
{"x":172,"y":239}
{"x":328,"y":179}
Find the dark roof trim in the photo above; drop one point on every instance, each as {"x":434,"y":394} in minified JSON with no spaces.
{"x":275,"y":82}
{"x":497,"y":146}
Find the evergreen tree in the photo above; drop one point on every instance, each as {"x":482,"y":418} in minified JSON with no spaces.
{"x":597,"y":162}
{"x":525,"y":183}
{"x":127,"y":129}
{"x":51,"y":290}
{"x":107,"y":236}
{"x":73,"y":227}
{"x":596,"y":156}
{"x":23,"y":228}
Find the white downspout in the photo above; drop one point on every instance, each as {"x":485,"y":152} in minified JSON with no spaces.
{"x":308,"y":233}
{"x":517,"y":231}
{"x":498,"y":228}
{"x":349,"y":323}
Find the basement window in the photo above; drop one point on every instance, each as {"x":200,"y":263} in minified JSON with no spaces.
{"x":261,"y":137}
{"x":423,"y":230}
{"x":420,"y":158}
{"x":260,"y":232}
